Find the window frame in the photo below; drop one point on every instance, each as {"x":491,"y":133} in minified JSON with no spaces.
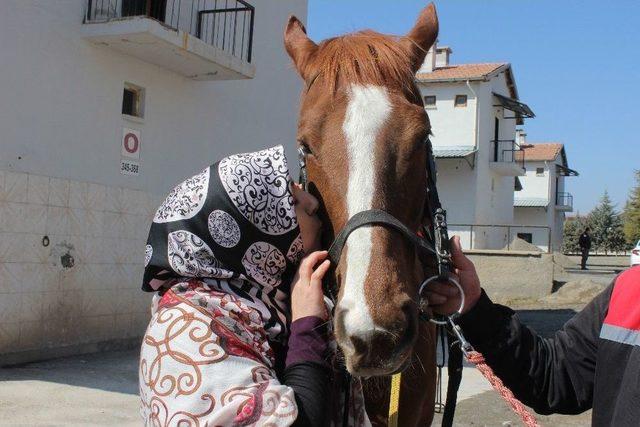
{"x":138,"y":101}
{"x":460,"y":105}
{"x":430,"y":106}
{"x":538,"y":173}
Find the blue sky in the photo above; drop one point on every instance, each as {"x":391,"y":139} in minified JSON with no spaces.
{"x":576,"y":64}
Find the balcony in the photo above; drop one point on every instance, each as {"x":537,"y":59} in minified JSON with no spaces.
{"x":198,"y":39}
{"x":507,"y":158}
{"x":564,"y":202}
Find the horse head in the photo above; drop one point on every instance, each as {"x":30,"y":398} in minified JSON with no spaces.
{"x":363,"y":126}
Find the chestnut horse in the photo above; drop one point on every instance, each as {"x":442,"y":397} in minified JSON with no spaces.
{"x":363,"y":124}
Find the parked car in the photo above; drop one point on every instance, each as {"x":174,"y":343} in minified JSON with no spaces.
{"x":635,"y":255}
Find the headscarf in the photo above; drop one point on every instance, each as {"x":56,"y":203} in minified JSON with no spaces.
{"x":234,"y":225}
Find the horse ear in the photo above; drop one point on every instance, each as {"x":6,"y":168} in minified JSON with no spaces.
{"x":422,"y":36}
{"x":299,"y":46}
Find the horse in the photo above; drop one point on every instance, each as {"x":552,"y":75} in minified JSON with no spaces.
{"x":363,"y":127}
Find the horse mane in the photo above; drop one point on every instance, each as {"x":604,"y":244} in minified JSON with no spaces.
{"x":365,"y":57}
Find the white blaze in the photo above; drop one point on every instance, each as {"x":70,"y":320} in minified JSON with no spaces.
{"x":368,"y":109}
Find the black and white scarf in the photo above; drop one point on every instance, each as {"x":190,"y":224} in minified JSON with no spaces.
{"x":232,"y":225}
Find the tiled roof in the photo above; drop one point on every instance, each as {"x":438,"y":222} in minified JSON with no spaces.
{"x":540,"y":151}
{"x":460,"y":72}
{"x":452,"y":152}
{"x":532,"y":202}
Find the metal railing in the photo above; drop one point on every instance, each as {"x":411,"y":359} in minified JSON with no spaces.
{"x":500,"y":236}
{"x":507,"y":151}
{"x":564,"y":199}
{"x":224,"y":24}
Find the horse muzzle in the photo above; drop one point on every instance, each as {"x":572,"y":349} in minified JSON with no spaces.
{"x":378,"y":350}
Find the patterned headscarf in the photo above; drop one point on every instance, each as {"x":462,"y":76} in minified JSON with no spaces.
{"x":235,"y":221}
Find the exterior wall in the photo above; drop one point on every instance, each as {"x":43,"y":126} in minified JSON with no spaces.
{"x":534,"y":216}
{"x":542,"y":187}
{"x":60,"y":166}
{"x":478,"y":195}
{"x":534,"y":186}
{"x":451,"y":126}
{"x":513,"y":276}
{"x":70,"y":263}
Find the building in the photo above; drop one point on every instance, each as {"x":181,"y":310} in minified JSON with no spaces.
{"x":106,"y":104}
{"x":474,"y":110}
{"x":543,"y":201}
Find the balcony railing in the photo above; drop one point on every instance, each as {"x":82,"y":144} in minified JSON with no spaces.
{"x":507,"y":151}
{"x":224,"y":24}
{"x":564,"y":200}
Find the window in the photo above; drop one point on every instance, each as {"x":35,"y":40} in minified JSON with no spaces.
{"x":461,"y":101}
{"x":133,"y":100}
{"x":430,"y":101}
{"x":527,"y":237}
{"x":539,"y":171}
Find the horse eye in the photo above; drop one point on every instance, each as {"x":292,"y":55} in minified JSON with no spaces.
{"x":305,"y":147}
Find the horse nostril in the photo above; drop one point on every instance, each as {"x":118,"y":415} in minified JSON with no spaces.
{"x":359,"y":345}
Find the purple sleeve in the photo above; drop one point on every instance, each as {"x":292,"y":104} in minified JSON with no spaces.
{"x":308,"y":341}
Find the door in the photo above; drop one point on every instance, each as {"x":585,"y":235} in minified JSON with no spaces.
{"x":152,"y":8}
{"x":496,"y":139}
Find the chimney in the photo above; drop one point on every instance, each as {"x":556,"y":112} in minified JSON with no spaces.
{"x":521,"y":137}
{"x":442,"y":56}
{"x":429,"y":63}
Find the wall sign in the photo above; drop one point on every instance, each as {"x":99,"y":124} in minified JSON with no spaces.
{"x":130,"y":152}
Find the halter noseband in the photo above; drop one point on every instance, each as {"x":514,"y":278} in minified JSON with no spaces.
{"x":435,"y":242}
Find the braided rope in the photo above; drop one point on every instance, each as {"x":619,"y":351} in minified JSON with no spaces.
{"x":527,"y":417}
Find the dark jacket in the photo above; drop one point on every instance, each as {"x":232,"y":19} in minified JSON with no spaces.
{"x":592,"y":362}
{"x":584,"y":241}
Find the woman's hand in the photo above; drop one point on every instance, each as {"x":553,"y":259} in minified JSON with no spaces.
{"x":444,"y":298}
{"x":307,"y":298}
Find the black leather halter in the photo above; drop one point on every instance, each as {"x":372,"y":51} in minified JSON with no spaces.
{"x":436,"y":240}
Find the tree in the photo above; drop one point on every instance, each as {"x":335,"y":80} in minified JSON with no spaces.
{"x":631,"y":214}
{"x":572,"y":229}
{"x":607,"y":232}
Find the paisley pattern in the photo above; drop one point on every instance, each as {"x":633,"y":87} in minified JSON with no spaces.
{"x":196,"y":334}
{"x":224,"y":229}
{"x":258,"y":185}
{"x":148,"y":253}
{"x":264,"y":263}
{"x":185,"y":200}
{"x":296,"y":250}
{"x":191,"y":257}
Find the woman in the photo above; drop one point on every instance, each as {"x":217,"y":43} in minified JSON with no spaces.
{"x":222,"y":256}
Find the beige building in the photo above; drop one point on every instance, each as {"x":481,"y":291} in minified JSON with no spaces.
{"x":106,"y":104}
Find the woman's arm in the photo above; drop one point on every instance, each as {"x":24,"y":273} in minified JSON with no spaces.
{"x":307,"y":370}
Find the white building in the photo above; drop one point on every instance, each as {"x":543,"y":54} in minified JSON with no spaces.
{"x":474,"y":109}
{"x":543,"y":200}
{"x":106,"y":104}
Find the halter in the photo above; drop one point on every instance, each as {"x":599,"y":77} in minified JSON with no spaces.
{"x":435,"y":242}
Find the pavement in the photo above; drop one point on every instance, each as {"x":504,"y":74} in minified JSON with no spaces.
{"x":95,"y":389}
{"x":102,"y":389}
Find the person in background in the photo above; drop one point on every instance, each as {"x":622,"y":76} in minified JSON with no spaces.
{"x":585,"y":246}
{"x":593,"y":362}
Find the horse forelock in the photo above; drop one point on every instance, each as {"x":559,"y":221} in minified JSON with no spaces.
{"x":364,"y":58}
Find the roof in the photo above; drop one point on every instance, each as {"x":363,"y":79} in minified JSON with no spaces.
{"x":532,"y":202}
{"x":462,"y":72}
{"x":540,"y":151}
{"x":452,"y":152}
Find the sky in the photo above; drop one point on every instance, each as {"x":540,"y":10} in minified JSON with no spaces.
{"x":576,"y":64}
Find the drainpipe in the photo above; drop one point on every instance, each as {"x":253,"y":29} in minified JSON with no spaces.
{"x":475,"y":133}
{"x":475,"y":125}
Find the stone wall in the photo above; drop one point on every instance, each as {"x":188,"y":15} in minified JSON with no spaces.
{"x":71,"y":263}
{"x":514,"y":275}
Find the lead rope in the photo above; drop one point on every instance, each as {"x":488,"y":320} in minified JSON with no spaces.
{"x":527,"y":417}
